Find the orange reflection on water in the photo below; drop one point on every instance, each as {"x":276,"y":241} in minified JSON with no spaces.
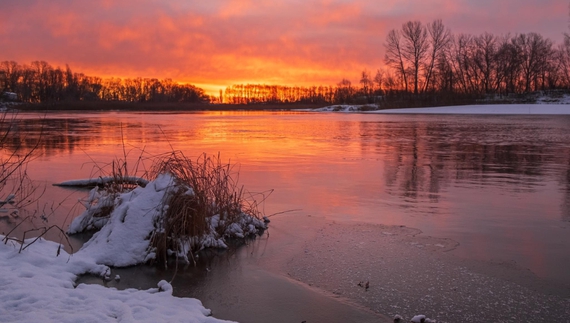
{"x":442,"y":175}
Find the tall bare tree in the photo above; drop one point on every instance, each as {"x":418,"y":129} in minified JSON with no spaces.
{"x":485,"y":61}
{"x":379,"y":81}
{"x":439,"y":40}
{"x":534,"y":51}
{"x":394,"y":56}
{"x":415,"y":48}
{"x":366,"y":83}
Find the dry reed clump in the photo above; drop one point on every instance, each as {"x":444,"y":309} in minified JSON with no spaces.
{"x":17,"y":190}
{"x":206,"y":207}
{"x":201,"y":207}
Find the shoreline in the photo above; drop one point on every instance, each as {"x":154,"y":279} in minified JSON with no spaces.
{"x":106,"y":106}
{"x":484,"y":107}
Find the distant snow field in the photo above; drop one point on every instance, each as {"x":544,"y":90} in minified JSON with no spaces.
{"x":505,"y":109}
{"x":489,"y":109}
{"x":543,"y":106}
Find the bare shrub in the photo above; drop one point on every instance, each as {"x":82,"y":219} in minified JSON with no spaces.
{"x":16,"y":188}
{"x":208,"y":198}
{"x":202,"y":207}
{"x":17,"y":191}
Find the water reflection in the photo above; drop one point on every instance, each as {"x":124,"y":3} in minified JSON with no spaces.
{"x":498,"y":185}
{"x":565,"y":183}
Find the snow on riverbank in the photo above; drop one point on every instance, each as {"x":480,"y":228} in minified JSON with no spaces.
{"x":490,"y":109}
{"x":545,"y":105}
{"x":37,"y":285}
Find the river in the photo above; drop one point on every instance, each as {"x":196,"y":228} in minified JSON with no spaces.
{"x":497,"y":188}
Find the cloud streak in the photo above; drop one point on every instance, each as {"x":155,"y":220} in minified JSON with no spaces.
{"x":218,"y":43}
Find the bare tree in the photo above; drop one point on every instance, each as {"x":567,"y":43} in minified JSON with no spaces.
{"x":12,"y":72}
{"x":509,"y":65}
{"x":534,"y":51}
{"x":394,"y":56}
{"x":344,"y":91}
{"x":439,"y":39}
{"x":415,"y":48}
{"x":461,"y":63}
{"x":366,"y":83}
{"x":485,"y":61}
{"x":563,"y":58}
{"x":379,"y":81}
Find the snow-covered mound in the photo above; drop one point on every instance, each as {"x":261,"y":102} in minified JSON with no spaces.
{"x":347,"y":108}
{"x":124,"y":238}
{"x":562,"y":99}
{"x":38,"y":285}
{"x":125,"y":234}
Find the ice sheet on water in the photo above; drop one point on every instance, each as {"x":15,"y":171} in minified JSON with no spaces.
{"x":410,"y":273}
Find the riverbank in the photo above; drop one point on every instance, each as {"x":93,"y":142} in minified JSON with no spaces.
{"x":494,"y":109}
{"x":384,"y":104}
{"x":91,"y":106}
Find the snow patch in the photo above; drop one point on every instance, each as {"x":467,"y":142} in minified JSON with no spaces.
{"x":36,"y":285}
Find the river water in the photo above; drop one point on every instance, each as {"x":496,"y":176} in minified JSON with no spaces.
{"x":497,"y":186}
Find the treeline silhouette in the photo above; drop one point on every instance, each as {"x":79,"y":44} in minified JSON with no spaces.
{"x":426,"y":64}
{"x":262,"y":93}
{"x":41,"y":82}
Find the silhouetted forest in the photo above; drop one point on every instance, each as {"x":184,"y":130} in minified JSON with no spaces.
{"x":425,"y":64}
{"x":41,"y":82}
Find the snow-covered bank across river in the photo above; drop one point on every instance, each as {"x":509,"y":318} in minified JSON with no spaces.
{"x":491,"y":109}
{"x":486,"y":109}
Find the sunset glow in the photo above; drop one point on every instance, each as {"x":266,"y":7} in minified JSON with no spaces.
{"x":215,"y":44}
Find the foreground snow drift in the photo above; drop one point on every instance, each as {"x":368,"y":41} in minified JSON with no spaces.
{"x":36,"y":285}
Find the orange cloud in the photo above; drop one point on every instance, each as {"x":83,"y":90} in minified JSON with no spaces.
{"x":218,"y":43}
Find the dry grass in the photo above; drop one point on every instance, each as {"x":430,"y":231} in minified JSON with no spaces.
{"x":119,"y":178}
{"x":14,"y":160}
{"x":204,"y":206}
{"x":17,"y":190}
{"x":206,"y":187}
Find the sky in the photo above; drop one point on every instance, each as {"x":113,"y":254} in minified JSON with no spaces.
{"x":217,"y":43}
